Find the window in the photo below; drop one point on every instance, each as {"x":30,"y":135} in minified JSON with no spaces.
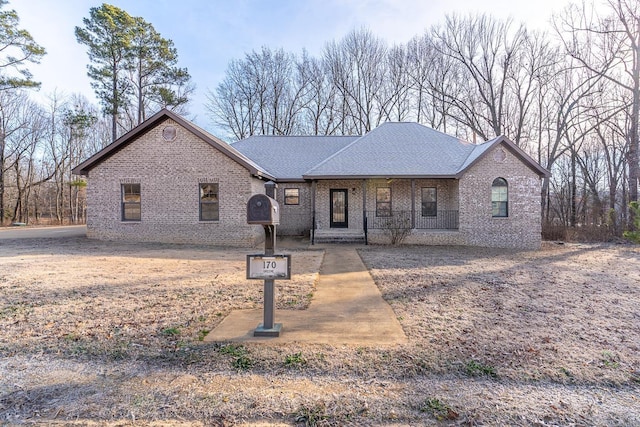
{"x":209,"y":205}
{"x":291,"y":196}
{"x":383,"y":201}
{"x":500,"y":198}
{"x":131,"y":210}
{"x":429,"y":201}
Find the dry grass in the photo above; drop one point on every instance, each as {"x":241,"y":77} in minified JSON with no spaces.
{"x":568,"y":313}
{"x":100,"y":333}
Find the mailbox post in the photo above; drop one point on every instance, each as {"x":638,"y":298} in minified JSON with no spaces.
{"x":264,"y":210}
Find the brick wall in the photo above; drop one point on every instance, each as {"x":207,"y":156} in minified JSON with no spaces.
{"x":354,"y":199}
{"x":421,"y":237}
{"x":471,"y":196}
{"x":522,"y":228}
{"x":169,"y":174}
{"x":295,"y":220}
{"x":446,"y":192}
{"x":447,"y":199}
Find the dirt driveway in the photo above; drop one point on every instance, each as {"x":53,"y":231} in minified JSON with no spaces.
{"x":110,"y":333}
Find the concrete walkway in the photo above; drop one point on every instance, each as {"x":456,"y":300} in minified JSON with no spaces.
{"x":347,"y":308}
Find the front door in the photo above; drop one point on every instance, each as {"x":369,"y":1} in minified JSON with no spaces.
{"x":339,"y":209}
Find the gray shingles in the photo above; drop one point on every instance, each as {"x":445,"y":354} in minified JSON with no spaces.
{"x":289,"y":157}
{"x":397,"y":149}
{"x":478,"y":150}
{"x":391,"y":150}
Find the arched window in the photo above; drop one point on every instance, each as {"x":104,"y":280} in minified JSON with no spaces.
{"x":500,"y":198}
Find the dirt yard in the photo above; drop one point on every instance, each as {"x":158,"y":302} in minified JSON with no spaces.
{"x":102,"y":333}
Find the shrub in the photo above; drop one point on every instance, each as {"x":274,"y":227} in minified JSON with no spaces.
{"x":554,"y":232}
{"x":397,"y":228}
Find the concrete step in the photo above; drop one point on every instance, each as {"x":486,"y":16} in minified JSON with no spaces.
{"x":339,"y":237}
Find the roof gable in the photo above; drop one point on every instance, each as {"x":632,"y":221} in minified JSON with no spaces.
{"x":126,"y":139}
{"x":481,"y":151}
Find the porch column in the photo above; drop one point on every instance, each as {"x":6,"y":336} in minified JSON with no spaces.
{"x":314,"y":184}
{"x":364,"y":211}
{"x":413,"y":203}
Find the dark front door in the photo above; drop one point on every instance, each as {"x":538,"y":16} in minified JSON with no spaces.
{"x":339,"y":209}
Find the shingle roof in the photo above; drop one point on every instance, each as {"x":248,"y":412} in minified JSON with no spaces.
{"x":397,"y":150}
{"x":289,"y":157}
{"x":391,"y":150}
{"x":477,"y":152}
{"x":400,"y":150}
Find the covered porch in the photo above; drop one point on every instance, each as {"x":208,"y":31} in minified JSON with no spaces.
{"x":363,"y":210}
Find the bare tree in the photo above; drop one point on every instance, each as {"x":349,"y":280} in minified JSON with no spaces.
{"x":609,"y":46}
{"x":535,"y":66}
{"x":319,"y":115}
{"x":432,"y":82}
{"x":73,"y":133}
{"x":25,"y":164}
{"x":232,"y":105}
{"x":485,"y":52}
{"x":13,"y":125}
{"x":357,"y":67}
{"x":262,"y":94}
{"x":394,"y":98}
{"x":17,"y":49}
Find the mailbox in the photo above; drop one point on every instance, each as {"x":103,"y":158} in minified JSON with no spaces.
{"x":263,"y":210}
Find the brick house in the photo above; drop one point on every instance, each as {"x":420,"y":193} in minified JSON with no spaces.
{"x":169,"y":181}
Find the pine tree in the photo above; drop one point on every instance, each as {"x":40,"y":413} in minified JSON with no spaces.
{"x":133,"y":68}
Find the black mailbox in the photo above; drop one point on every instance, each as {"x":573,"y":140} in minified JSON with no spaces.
{"x":263,"y":210}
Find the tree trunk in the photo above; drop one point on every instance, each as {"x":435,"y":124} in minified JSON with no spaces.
{"x":36,"y":204}
{"x":116,"y":101}
{"x":76,"y":215}
{"x":59,"y":200}
{"x":2,"y":141}
{"x":17,"y":210}
{"x":140,"y":104}
{"x":71,"y":204}
{"x":573,"y":193}
{"x":634,"y":168}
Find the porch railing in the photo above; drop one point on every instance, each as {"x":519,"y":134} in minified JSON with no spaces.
{"x":443,"y":220}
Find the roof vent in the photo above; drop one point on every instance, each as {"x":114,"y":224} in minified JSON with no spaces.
{"x":499,"y":155}
{"x":169,"y":133}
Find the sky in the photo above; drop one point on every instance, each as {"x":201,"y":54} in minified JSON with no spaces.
{"x":208,"y":34}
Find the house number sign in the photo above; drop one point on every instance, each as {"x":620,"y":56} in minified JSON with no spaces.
{"x":268,"y":267}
